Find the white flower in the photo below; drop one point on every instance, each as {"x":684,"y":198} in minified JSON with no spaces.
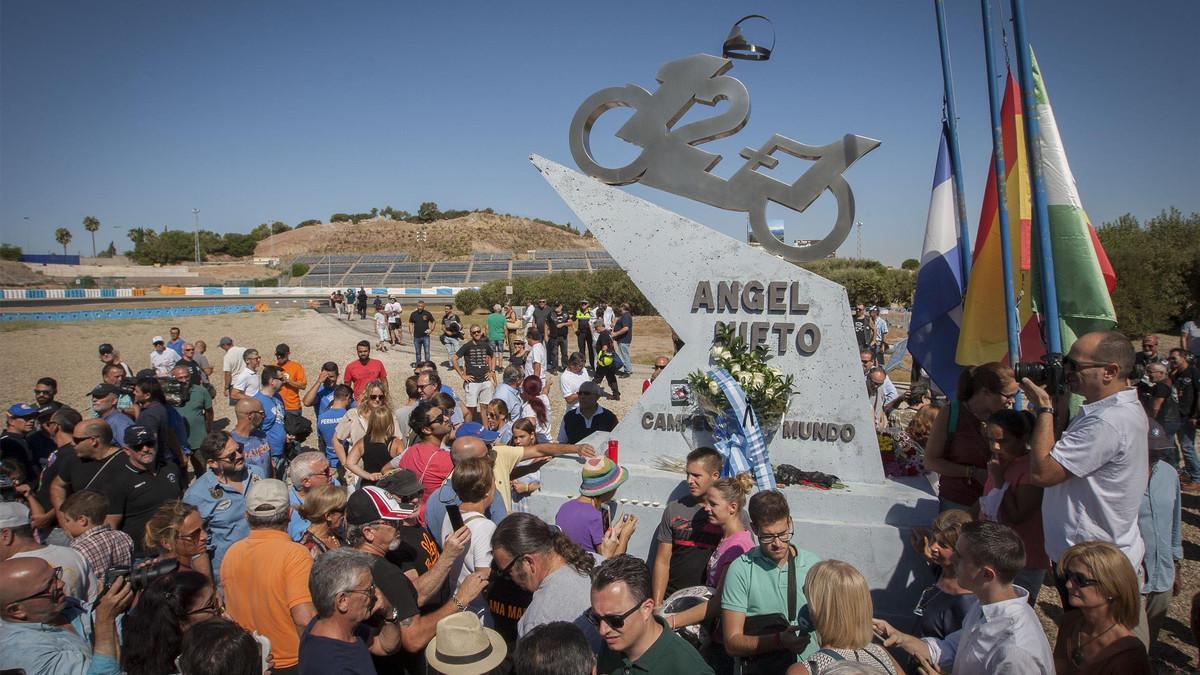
{"x":716,"y":352}
{"x":713,"y":388}
{"x":759,"y":380}
{"x":744,"y":379}
{"x":735,"y":371}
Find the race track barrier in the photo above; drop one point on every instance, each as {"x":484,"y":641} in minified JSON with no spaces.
{"x":216,"y":291}
{"x":133,"y":313}
{"x":68,"y":293}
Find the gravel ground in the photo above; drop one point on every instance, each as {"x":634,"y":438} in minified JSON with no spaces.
{"x":316,"y":338}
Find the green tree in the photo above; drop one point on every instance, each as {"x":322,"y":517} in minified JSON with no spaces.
{"x":261,"y":232}
{"x":91,"y":224}
{"x":307,"y":223}
{"x":339,"y":218}
{"x":1157,"y":267}
{"x":110,"y":252}
{"x":428,"y":212}
{"x":278,"y":227}
{"x":10,"y":252}
{"x":63,"y":236}
{"x":299,"y":269}
{"x":910,"y":264}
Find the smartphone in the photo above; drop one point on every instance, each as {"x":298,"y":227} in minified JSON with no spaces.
{"x":456,"y":520}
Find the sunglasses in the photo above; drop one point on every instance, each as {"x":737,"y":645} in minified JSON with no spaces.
{"x":658,"y":367}
{"x":42,"y":392}
{"x":377,"y":397}
{"x":81,"y":439}
{"x":236,"y":452}
{"x":615,"y":621}
{"x":144,"y":444}
{"x":1071,"y":365}
{"x":1078,"y":579}
{"x":506,"y":572}
{"x":213,"y":606}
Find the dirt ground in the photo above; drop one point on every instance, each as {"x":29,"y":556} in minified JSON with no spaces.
{"x":315,"y":338}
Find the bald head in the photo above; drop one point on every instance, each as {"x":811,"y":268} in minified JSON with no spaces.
{"x":246,"y":406}
{"x":95,"y":428}
{"x":467,"y":447}
{"x":17,"y":577}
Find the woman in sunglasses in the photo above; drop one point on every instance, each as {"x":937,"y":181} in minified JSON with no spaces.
{"x":353,"y":426}
{"x":1097,"y":637}
{"x":153,"y":629}
{"x":371,"y":454}
{"x":176,"y":531}
{"x":958,"y":447}
{"x":495,"y":418}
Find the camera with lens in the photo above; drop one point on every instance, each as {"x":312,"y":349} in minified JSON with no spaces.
{"x":140,"y":576}
{"x":1046,"y":373}
{"x":126,"y":385}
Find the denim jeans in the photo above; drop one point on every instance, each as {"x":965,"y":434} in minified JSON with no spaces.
{"x":421,"y":346}
{"x":1186,"y":435}
{"x":451,"y":347}
{"x":626,"y":363}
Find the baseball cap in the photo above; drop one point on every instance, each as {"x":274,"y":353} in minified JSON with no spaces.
{"x":266,"y":498}
{"x":157,"y":339}
{"x":105,"y":348}
{"x":136,"y":435}
{"x":476,"y":430}
{"x":402,"y":483}
{"x":13,"y":514}
{"x":282,"y":349}
{"x":224,"y":341}
{"x":22,"y":410}
{"x":105,"y":389}
{"x":371,"y":504}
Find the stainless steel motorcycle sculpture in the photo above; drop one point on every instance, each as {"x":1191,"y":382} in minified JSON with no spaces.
{"x":670,"y":159}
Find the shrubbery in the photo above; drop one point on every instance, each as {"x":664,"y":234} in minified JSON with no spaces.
{"x":1158,"y":269}
{"x":299,"y":269}
{"x":565,"y":287}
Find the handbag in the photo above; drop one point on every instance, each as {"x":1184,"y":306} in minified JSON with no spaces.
{"x":779,"y":660}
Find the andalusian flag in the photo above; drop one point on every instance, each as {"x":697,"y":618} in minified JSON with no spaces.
{"x":983,"y":336}
{"x":1082,"y":273}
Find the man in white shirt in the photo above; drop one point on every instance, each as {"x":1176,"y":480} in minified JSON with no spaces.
{"x":247,"y":382}
{"x":571,"y":379}
{"x":1090,"y":473}
{"x":162,"y":360}
{"x":1000,"y":633}
{"x":535,"y":360}
{"x":393,"y":310}
{"x":232,"y":363}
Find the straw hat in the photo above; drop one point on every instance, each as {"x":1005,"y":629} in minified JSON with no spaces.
{"x":462,"y":646}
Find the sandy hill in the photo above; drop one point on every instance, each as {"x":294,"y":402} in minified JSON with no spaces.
{"x":439,"y":240}
{"x":14,"y":274}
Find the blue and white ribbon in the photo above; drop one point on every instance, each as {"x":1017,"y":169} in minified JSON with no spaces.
{"x":738,"y":437}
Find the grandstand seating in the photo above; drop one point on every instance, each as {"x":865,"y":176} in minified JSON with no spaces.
{"x":397,"y":269}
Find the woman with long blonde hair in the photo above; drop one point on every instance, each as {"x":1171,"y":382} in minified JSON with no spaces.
{"x":839,"y":603}
{"x":370,"y":455}
{"x":176,"y":531}
{"x":353,"y":425}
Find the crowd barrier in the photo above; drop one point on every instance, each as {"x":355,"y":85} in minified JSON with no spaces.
{"x":133,"y":313}
{"x":68,"y":293}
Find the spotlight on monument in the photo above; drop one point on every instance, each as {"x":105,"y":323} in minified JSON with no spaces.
{"x":738,"y":47}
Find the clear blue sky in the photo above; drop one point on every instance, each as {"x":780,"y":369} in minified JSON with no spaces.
{"x":137,"y":112}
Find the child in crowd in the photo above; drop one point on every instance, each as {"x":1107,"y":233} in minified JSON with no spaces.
{"x":523,"y":435}
{"x":474,"y":483}
{"x":942,"y":607}
{"x":101,"y":546}
{"x":381,"y":330}
{"x":585,"y":519}
{"x":1011,"y":498}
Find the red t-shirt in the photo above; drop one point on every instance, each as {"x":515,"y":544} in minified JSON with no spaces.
{"x":359,"y":374}
{"x":432,"y":466}
{"x":1030,"y":531}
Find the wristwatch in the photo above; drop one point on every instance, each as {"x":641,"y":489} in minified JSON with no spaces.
{"x":392,"y":616}
{"x":1039,"y":409}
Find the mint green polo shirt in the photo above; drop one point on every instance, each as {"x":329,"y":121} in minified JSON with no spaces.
{"x":669,"y":654}
{"x":756,"y":585}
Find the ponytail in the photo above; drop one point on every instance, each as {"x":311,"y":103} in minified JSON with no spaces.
{"x":994,"y":377}
{"x":735,"y":489}
{"x":576,"y":557}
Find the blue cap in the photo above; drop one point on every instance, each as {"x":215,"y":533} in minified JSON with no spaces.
{"x":22,"y":410}
{"x":476,"y":430}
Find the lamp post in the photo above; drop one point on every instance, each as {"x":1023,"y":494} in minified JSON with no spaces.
{"x":196,"y":228}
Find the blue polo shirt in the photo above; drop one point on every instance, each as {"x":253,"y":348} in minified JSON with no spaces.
{"x":223,"y":511}
{"x":272,"y":423}
{"x":118,"y":422}
{"x":327,"y":423}
{"x":255,"y":449}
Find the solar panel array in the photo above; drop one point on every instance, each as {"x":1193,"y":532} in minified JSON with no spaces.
{"x":396,"y":269}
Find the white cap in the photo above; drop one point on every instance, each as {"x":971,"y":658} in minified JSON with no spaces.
{"x":157,"y":338}
{"x":13,"y":514}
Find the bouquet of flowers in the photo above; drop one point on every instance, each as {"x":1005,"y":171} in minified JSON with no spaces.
{"x":767,"y":390}
{"x":901,"y":455}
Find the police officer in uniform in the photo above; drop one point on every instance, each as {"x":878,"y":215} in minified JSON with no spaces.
{"x":583,"y":332}
{"x":220,"y":494}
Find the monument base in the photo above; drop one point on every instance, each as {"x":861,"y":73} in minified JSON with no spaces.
{"x":867,"y":524}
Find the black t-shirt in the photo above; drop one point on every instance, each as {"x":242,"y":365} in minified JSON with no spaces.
{"x":154,"y":417}
{"x":555,"y":319}
{"x":398,"y":589}
{"x":419,"y":552}
{"x":507,"y":603}
{"x":624,"y":321}
{"x":942,"y":613}
{"x":604,"y":340}
{"x":1187,"y":390}
{"x":136,"y":495}
{"x":693,"y":539}
{"x":320,"y":655}
{"x":474,"y":356}
{"x":862,"y":331}
{"x":1168,"y":413}
{"x":452,"y":326}
{"x":80,"y":473}
{"x":540,"y":316}
{"x":42,"y":446}
{"x":16,"y":447}
{"x":420,"y":320}
{"x":52,"y":470}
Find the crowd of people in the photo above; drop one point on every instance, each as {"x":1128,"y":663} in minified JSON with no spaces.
{"x":141,"y":536}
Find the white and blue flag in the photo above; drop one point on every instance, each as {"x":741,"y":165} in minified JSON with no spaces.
{"x":937,"y":306}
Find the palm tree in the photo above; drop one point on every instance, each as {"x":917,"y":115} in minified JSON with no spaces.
{"x":91,"y":224}
{"x":63,"y":236}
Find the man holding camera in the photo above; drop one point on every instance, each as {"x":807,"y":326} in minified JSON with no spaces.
{"x":1092,"y":472}
{"x":44,"y":631}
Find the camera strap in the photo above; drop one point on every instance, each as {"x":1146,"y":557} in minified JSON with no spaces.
{"x":102,"y":468}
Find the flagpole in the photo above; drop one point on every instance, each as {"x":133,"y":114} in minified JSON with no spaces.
{"x":964,"y":235}
{"x":1010,"y":309}
{"x":1041,"y":213}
